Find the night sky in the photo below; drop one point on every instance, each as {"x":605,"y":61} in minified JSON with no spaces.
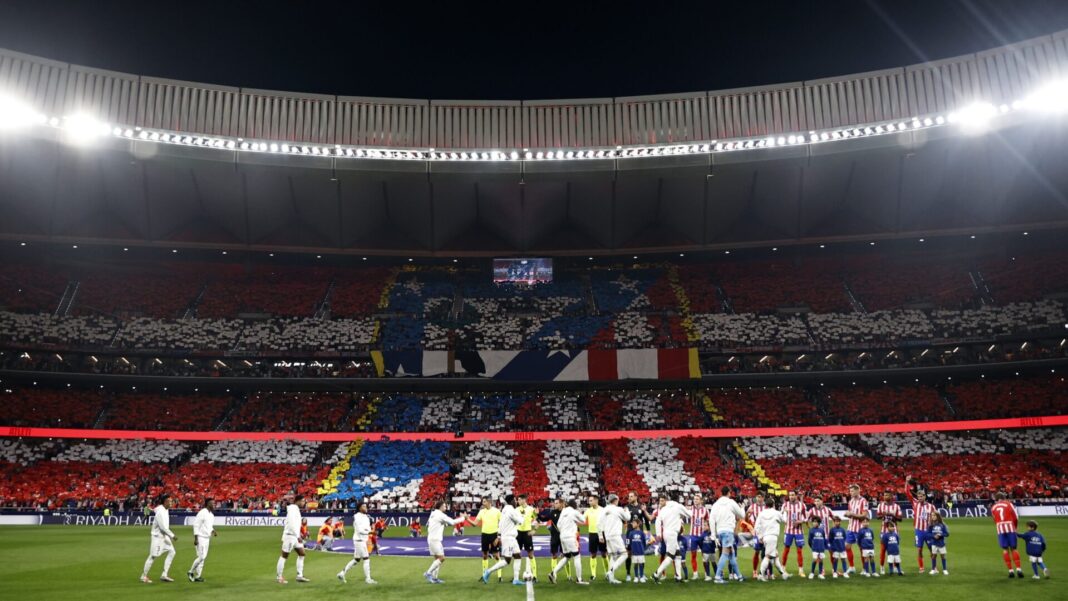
{"x":513,"y":50}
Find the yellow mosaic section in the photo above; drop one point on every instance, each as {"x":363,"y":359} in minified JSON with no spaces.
{"x":711,"y":409}
{"x":684,"y":303}
{"x":383,"y":303}
{"x":337,"y":473}
{"x":755,"y":470}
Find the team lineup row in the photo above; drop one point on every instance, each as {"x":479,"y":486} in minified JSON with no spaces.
{"x":627,"y":533}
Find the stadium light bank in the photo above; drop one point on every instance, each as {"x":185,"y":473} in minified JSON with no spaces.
{"x":977,"y":117}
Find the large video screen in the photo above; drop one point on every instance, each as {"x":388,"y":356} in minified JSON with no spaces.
{"x":522,"y":271}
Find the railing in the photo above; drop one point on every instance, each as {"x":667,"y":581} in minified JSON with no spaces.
{"x":999,"y":75}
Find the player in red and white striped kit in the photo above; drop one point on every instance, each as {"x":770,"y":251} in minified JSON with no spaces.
{"x":856,"y":512}
{"x":751,"y":513}
{"x":1006,"y":521}
{"x":922,"y":510}
{"x":796,"y":517}
{"x":821,"y":511}
{"x":890,"y":513}
{"x":698,"y":526}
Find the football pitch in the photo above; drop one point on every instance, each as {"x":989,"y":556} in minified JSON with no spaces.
{"x":89,"y":563}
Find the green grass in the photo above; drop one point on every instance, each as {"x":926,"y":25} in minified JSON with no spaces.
{"x":87,"y":563}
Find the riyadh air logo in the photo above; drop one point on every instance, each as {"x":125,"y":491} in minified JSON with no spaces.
{"x":67,"y":519}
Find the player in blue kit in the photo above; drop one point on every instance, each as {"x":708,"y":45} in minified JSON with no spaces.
{"x":892,"y":545}
{"x":937,"y":533}
{"x":1036,"y":546}
{"x":817,"y":543}
{"x":866,"y":540}
{"x":836,"y":542}
{"x":636,"y":546}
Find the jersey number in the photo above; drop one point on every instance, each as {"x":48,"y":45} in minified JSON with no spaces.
{"x":1000,"y":511}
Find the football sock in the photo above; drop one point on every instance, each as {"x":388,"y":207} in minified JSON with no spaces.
{"x":882,"y":556}
{"x":919,"y":559}
{"x":664,"y":563}
{"x":1005,"y":557}
{"x":708,"y":566}
{"x":300,"y":566}
{"x":485,"y":564}
{"x":593,"y":567}
{"x":559,"y":565}
{"x":1015,"y":558}
{"x":578,"y":568}
{"x":167,"y":561}
{"x":679,"y":569}
{"x":367,"y":569}
{"x":944,"y":563}
{"x":628,"y":565}
{"x":849,"y":556}
{"x":498,"y":566}
{"x":281,"y":566}
{"x":148,"y":565}
{"x":433,"y":569}
{"x":515,"y":569}
{"x":785,"y":554}
{"x":693,"y":561}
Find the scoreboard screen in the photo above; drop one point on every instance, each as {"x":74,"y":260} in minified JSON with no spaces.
{"x":523,"y":271}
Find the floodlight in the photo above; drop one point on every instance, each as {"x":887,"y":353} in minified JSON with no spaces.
{"x":15,"y":114}
{"x":83,"y":129}
{"x":1050,"y":98}
{"x":975,"y":117}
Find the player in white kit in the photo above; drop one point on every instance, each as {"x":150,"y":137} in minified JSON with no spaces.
{"x":568,"y":524}
{"x":766,"y":529}
{"x":509,"y":537}
{"x":162,"y":540}
{"x":203,"y":530}
{"x":361,"y":529}
{"x":291,"y":539}
{"x":669,"y":519}
{"x":613,"y":520}
{"x":435,"y":534}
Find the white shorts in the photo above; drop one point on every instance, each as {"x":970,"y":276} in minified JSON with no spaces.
{"x":203,"y":544}
{"x":569,"y":544}
{"x":867,"y":552}
{"x":938,"y":550}
{"x":614,"y":545}
{"x":160,"y":545}
{"x":637,"y":559}
{"x":820,"y":555}
{"x":839,"y":555}
{"x":509,"y":546}
{"x":1034,"y":559}
{"x":671,"y":545}
{"x":436,"y":548}
{"x":289,"y":543}
{"x":771,"y":546}
{"x":893,"y":559}
{"x":359,"y":549}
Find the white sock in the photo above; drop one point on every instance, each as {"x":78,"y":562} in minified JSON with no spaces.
{"x":763,"y":566}
{"x":281,"y":566}
{"x":612,"y":567}
{"x":349,"y":566}
{"x":663,"y":566}
{"x":778,"y":564}
{"x":578,"y":567}
{"x":678,"y":567}
{"x":167,"y":562}
{"x":528,"y":564}
{"x":499,"y":565}
{"x":148,"y":566}
{"x":367,"y":569}
{"x":515,"y":569}
{"x":300,"y":566}
{"x":433,"y":570}
{"x":559,"y":565}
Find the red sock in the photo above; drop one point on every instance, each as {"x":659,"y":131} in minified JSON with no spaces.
{"x":882,"y":556}
{"x":785,"y":555}
{"x":1005,"y":557}
{"x":1016,"y":558}
{"x":919,"y":558}
{"x":800,"y":559}
{"x":756,"y":561}
{"x":849,"y":556}
{"x":693,"y":561}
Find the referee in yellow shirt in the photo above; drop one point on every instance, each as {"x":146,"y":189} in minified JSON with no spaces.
{"x":489,"y":519}
{"x":526,"y":535}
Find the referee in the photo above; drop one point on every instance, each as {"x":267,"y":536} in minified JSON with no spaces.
{"x":525,"y":535}
{"x":593,"y":520}
{"x":489,"y":519}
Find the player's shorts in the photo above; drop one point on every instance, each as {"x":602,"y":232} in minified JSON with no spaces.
{"x":554,"y":543}
{"x":938,"y":550}
{"x":867,"y":552}
{"x":488,"y":544}
{"x":839,"y":555}
{"x":437,"y":549}
{"x":594,"y":543}
{"x":160,"y":545}
{"x":771,"y":545}
{"x":851,"y":538}
{"x":1035,"y":558}
{"x":525,"y":540}
{"x":670,"y":545}
{"x":794,"y":539}
{"x":289,"y":543}
{"x":569,"y":545}
{"x":614,"y":545}
{"x":509,"y":546}
{"x":920,"y":540}
{"x":818,"y":555}
{"x":637,"y":559}
{"x":359,"y":549}
{"x":692,"y":542}
{"x":1007,"y":540}
{"x":893,"y":558}
{"x":726,"y":539}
